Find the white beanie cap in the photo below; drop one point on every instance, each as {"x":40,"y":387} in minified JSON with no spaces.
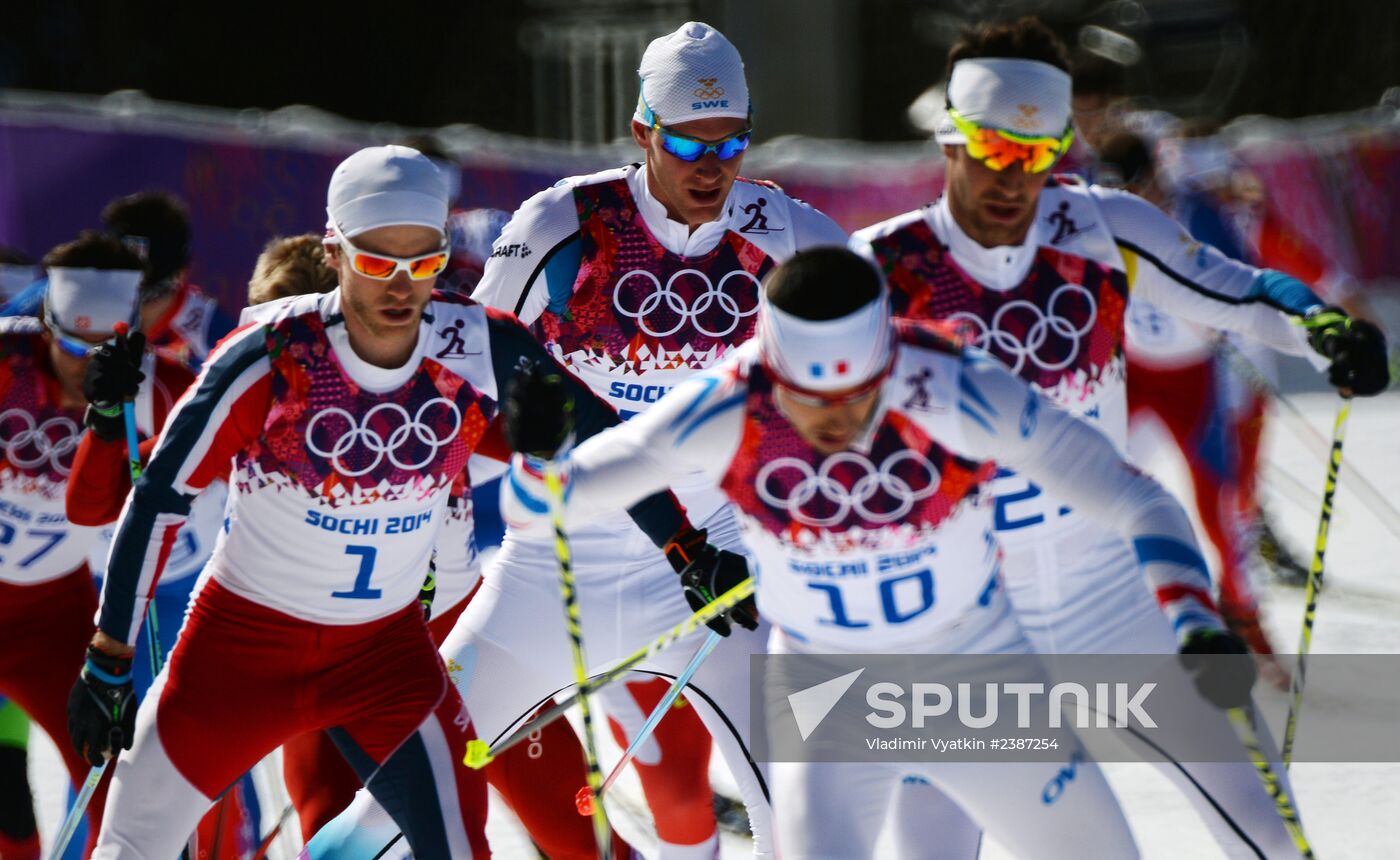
{"x":381,"y":186}
{"x":693,"y":73}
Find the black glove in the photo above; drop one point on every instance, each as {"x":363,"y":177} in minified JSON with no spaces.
{"x":707,"y":573}
{"x":113,"y":375}
{"x":539,"y":411}
{"x":1220,"y":666}
{"x":1356,"y":347}
{"x":102,"y":707}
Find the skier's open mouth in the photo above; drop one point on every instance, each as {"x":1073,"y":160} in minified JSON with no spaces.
{"x":705,"y":198}
{"x":1002,"y":212}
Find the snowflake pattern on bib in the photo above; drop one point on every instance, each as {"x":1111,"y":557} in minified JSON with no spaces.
{"x":39,"y":438}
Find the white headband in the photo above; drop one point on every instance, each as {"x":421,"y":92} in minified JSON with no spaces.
{"x":83,"y":301}
{"x":826,"y":355}
{"x":1024,"y":96}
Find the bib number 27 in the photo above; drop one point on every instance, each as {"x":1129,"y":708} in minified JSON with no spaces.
{"x":46,"y":539}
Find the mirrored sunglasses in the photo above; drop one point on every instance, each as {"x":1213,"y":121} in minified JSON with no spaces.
{"x":383,"y":267}
{"x":999,"y":149}
{"x":693,"y":148}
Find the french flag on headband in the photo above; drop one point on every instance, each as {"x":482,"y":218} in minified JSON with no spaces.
{"x":827,"y":355}
{"x":823,"y":369}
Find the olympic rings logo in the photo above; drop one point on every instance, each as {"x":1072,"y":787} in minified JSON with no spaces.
{"x":32,"y":446}
{"x":858,"y":496}
{"x":996,"y":339}
{"x":360,"y":434}
{"x":666,"y":299}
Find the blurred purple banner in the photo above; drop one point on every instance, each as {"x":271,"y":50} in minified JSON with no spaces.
{"x":242,"y":189}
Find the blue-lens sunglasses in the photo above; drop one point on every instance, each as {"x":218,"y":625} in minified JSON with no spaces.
{"x":71,"y":344}
{"x":693,"y":149}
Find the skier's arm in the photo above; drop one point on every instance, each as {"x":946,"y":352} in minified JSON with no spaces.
{"x":1195,"y":281}
{"x":659,"y":515}
{"x":694,"y":429}
{"x":1006,"y":420}
{"x":100,"y":479}
{"x":491,"y":458}
{"x":217,"y":417}
{"x":101,"y":476}
{"x":534,"y":263}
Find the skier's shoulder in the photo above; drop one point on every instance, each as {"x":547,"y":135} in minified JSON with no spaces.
{"x":868,"y":236}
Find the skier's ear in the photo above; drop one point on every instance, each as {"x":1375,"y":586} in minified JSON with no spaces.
{"x":640,"y":135}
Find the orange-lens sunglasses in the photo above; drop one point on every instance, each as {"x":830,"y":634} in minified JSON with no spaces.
{"x":383,"y":267}
{"x":1000,"y":149}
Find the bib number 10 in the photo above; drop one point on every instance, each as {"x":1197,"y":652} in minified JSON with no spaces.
{"x":361,"y":590}
{"x":902,"y":599}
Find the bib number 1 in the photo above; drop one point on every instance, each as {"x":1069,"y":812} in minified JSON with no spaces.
{"x":361,"y":590}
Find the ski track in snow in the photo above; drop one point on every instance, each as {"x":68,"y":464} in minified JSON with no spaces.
{"x":1348,"y":809}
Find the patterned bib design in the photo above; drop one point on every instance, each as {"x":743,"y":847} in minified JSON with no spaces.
{"x":897,"y":493}
{"x":348,"y":446}
{"x":1060,"y":329}
{"x":638,"y":307}
{"x":39,"y":438}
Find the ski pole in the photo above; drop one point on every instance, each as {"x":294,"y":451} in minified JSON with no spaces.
{"x":569,"y":590}
{"x":1242,"y":720}
{"x":1324,"y":524}
{"x":584,"y":799}
{"x":480,"y":753}
{"x":273,"y":833}
{"x":1374,"y":500}
{"x":75,"y":813}
{"x":133,"y":455}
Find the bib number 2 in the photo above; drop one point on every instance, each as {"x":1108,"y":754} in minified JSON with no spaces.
{"x":902,"y":599}
{"x":361,"y":590}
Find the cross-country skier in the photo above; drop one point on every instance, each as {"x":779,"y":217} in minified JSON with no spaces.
{"x":348,"y":417}
{"x":636,"y":279}
{"x":1039,"y":271}
{"x":847,"y":441}
{"x":539,"y":780}
{"x":48,"y":597}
